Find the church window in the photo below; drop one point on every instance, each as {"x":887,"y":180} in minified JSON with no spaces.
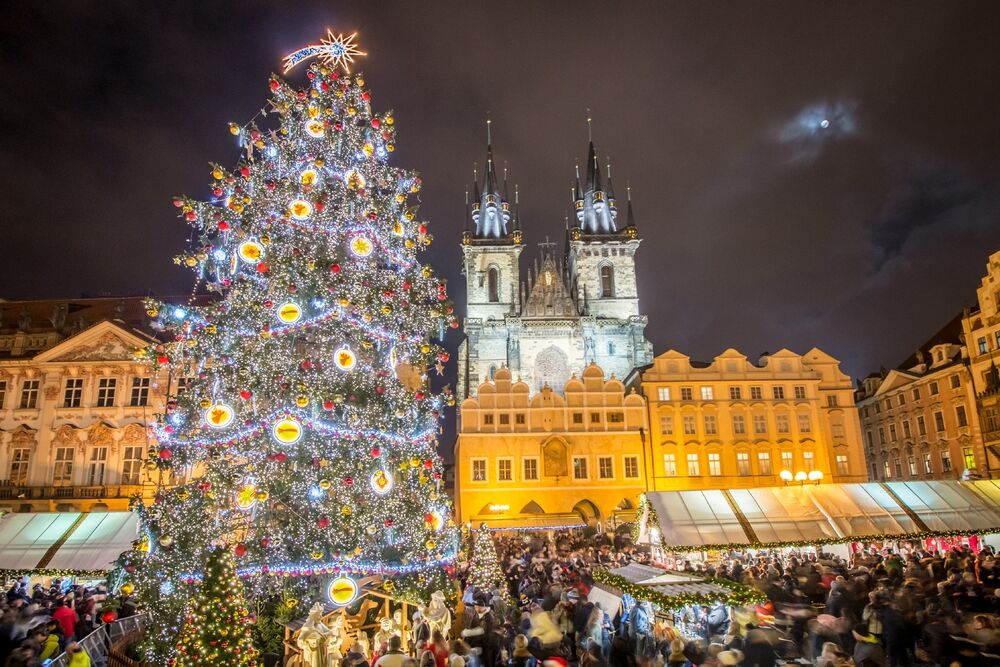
{"x":743,"y":463}
{"x":805,"y":424}
{"x":956,"y":381}
{"x":607,"y":280}
{"x":74,"y":392}
{"x":106,"y":392}
{"x":760,"y":424}
{"x":29,"y":395}
{"x":787,"y":460}
{"x":945,"y":461}
{"x":493,"y":284}
{"x":800,"y":391}
{"x":19,"y":459}
{"x":808,"y":461}
{"x":782,"y":422}
{"x":707,"y":394}
{"x":493,"y":372}
{"x":843,"y":467}
{"x":764,"y":463}
{"x":611,"y":348}
{"x":778,"y":393}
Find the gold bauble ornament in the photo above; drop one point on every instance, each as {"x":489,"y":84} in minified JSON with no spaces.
{"x":205,"y":402}
{"x":389,"y":120}
{"x":262,"y":496}
{"x":152,"y":312}
{"x":127,"y":588}
{"x":316,"y":555}
{"x":414,"y":461}
{"x":302,"y":401}
{"x":217,"y":174}
{"x":191,"y":262}
{"x":430,"y":544}
{"x":265,"y":239}
{"x":346,"y":511}
{"x":325,"y":484}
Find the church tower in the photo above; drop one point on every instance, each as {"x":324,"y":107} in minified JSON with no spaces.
{"x":491,"y":246}
{"x":601,"y":259}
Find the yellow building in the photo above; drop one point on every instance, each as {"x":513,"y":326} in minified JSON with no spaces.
{"x":981,"y":332}
{"x":734,"y":423}
{"x":553,"y":458}
{"x":74,"y":405}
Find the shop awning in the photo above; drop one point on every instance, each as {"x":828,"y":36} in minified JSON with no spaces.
{"x":819,"y":514}
{"x":531,"y":522}
{"x":97,"y":542}
{"x":50,"y":541}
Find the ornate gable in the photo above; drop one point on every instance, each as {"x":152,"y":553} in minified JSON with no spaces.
{"x":106,"y":348}
{"x":549,"y":296}
{"x":100,"y":434}
{"x":66,"y":435}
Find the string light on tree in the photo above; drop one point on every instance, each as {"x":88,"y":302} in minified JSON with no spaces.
{"x":306,"y":417}
{"x":336,"y":51}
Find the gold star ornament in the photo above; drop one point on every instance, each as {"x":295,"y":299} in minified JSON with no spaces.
{"x":336,"y":51}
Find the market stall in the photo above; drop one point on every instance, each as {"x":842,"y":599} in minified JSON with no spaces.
{"x":660,"y":605}
{"x":839,"y":517}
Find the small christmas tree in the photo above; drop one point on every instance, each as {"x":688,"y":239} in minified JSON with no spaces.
{"x":216,"y":630}
{"x":484,"y":572}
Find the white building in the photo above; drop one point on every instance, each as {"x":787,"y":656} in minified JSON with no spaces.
{"x":570,"y":310}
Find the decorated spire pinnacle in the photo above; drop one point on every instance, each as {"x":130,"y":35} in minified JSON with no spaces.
{"x":336,"y":51}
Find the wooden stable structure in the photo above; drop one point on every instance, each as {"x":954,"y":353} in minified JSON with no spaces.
{"x":363,"y":615}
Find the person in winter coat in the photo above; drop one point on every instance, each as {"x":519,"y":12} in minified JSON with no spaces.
{"x":521,"y":657}
{"x":868,"y":651}
{"x":66,"y":618}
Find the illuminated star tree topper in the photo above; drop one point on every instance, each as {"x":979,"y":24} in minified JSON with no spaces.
{"x":335,"y":50}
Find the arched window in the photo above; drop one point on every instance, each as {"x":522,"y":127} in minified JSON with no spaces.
{"x":493,"y":284}
{"x":607,"y":280}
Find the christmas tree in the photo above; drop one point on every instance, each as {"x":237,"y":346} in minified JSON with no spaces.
{"x":216,"y":631}
{"x":484,"y":567}
{"x":300,"y":420}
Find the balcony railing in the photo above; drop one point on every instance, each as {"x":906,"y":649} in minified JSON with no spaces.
{"x":10,"y":491}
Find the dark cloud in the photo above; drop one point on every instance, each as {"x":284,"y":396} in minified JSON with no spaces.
{"x":860,"y":237}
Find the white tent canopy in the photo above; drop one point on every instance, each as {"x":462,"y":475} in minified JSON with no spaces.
{"x":824,"y":513}
{"x":65,"y":540}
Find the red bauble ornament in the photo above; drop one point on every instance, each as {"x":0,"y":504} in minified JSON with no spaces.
{"x":301,"y":94}
{"x":166,"y":454}
{"x":319,"y":206}
{"x":190,"y":216}
{"x":375,"y":452}
{"x":366,"y":96}
{"x":419,"y":396}
{"x":324,"y":86}
{"x":265,"y":542}
{"x":223,"y":226}
{"x":262,"y":267}
{"x":323,"y":522}
{"x":348,"y":481}
{"x":246,"y":394}
{"x":444,"y":356}
{"x":387,"y":523}
{"x":109,"y":616}
{"x":270,"y":185}
{"x":380,"y":390}
{"x":338,"y":126}
{"x":454,"y":324}
{"x":306,"y":364}
{"x":240,"y":551}
{"x":376,"y":123}
{"x":273,"y":85}
{"x":407,"y":284}
{"x":428,"y":518}
{"x":245,"y":171}
{"x":328,"y":405}
{"x":178,"y":203}
{"x":335,"y":268}
{"x":217,"y":192}
{"x":428,"y":464}
{"x":422,"y":228}
{"x":281,"y":457}
{"x":163,"y":359}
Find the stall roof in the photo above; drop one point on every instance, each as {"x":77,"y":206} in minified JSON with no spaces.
{"x":64,"y":540}
{"x":667,"y":588}
{"x":821,"y":514}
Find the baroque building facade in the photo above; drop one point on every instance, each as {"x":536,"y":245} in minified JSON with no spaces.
{"x":75,"y":404}
{"x":981,"y":334}
{"x":550,"y":458}
{"x":569,"y":311}
{"x":919,"y":419}
{"x":788,"y":418}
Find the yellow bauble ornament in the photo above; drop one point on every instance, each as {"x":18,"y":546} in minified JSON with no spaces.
{"x":183,"y":494}
{"x":400,"y":198}
{"x":397,"y":229}
{"x":346,"y":511}
{"x":430,"y":544}
{"x":390,"y":147}
{"x":152,"y":312}
{"x":191,"y":262}
{"x":414,"y":462}
{"x":302,"y":401}
{"x":325,"y":484}
{"x":211,"y":328}
{"x":344,"y":301}
{"x":409,"y":215}
{"x":205,"y":402}
{"x":351,"y":111}
{"x":291,"y":603}
{"x":262,"y":496}
{"x":265,"y":239}
{"x":409,"y":243}
{"x":127,"y":588}
{"x":368,"y":149}
{"x":386,"y":310}
{"x":389,"y":120}
{"x":425,"y":348}
{"x":316,"y":555}
{"x":217,"y":174}
{"x":234,"y":129}
{"x":319,"y":162}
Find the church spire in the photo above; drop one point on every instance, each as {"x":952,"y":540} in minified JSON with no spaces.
{"x":490,"y":208}
{"x":595,"y":207}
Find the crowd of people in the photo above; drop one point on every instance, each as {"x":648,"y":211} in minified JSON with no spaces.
{"x":879,"y":608}
{"x":39,"y":623}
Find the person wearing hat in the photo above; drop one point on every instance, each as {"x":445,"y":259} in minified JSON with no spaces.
{"x":480,"y":631}
{"x":731,"y":657}
{"x":868,"y":652}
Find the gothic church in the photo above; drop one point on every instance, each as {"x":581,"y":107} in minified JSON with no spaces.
{"x":572,"y":309}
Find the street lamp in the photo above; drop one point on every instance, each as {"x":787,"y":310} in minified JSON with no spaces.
{"x":801,"y":476}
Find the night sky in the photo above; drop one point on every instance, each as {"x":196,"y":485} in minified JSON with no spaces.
{"x":803,"y":173}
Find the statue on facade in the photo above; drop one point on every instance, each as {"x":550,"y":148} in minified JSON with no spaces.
{"x":24,"y":319}
{"x":313,"y":637}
